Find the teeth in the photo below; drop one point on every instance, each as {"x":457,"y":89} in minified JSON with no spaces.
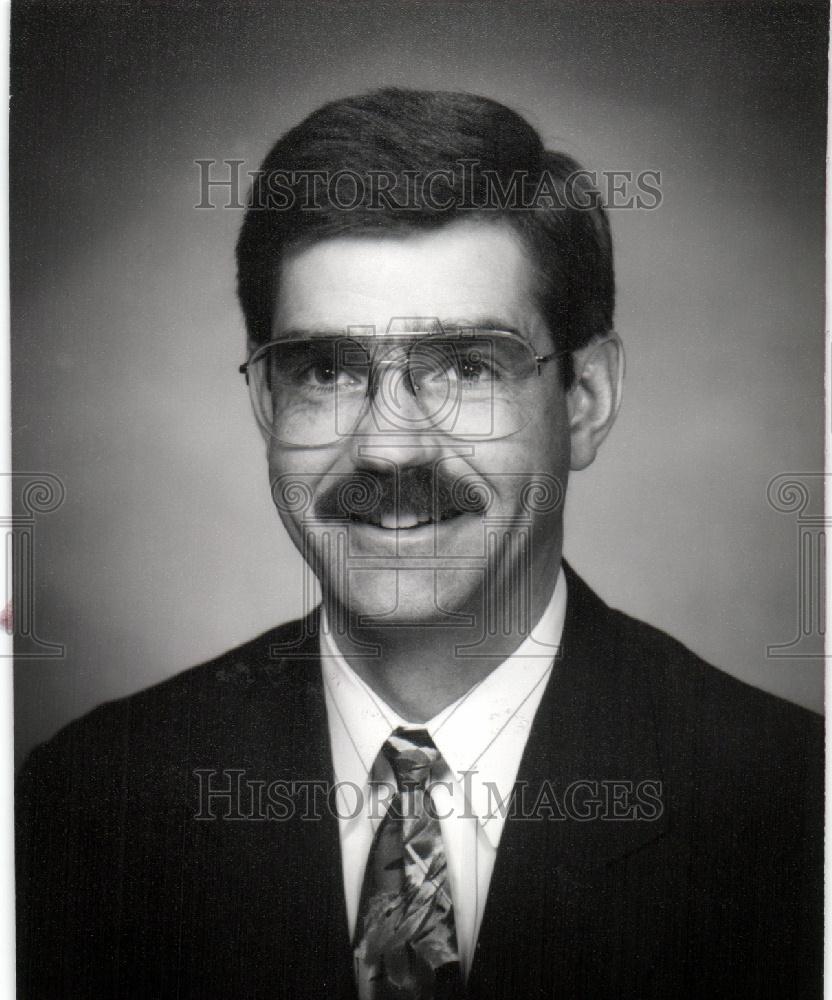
{"x":393,"y":521}
{"x":401,"y":520}
{"x":405,"y":519}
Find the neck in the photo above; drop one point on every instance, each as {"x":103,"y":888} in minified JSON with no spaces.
{"x":419,"y":669}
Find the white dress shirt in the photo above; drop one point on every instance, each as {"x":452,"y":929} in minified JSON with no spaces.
{"x":481,"y":737}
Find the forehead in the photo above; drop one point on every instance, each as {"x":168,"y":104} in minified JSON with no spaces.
{"x":466,"y":272}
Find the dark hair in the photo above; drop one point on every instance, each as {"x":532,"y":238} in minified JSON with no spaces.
{"x":493,"y":165}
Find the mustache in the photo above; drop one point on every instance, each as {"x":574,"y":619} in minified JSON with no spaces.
{"x":426,"y":491}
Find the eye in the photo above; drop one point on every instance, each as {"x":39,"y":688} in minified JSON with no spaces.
{"x":328,"y":375}
{"x":322,"y":373}
{"x":471,"y":366}
{"x":476,"y":363}
{"x":443,"y":361}
{"x":321,"y":367}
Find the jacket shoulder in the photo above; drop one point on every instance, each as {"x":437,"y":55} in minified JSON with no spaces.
{"x":682,"y":679}
{"x":274,"y":667}
{"x":699,"y":709}
{"x":720,"y":729}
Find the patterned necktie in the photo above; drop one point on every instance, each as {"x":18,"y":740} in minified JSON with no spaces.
{"x":405,"y":940}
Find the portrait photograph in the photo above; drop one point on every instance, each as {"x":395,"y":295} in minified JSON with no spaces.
{"x":417,"y":543}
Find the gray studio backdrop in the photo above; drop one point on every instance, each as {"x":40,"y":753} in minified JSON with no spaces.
{"x":126,"y":333}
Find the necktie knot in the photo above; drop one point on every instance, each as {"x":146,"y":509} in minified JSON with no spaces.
{"x":411,"y":753}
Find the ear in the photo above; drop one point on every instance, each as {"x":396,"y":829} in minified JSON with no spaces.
{"x":594,"y":399}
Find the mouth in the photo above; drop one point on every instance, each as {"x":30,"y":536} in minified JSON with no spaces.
{"x":404,"y":518}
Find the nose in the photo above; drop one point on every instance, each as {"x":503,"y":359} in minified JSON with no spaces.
{"x":394,"y":427}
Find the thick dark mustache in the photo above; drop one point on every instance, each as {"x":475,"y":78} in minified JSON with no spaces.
{"x":367,"y":495}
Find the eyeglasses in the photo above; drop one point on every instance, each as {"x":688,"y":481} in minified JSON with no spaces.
{"x":469,"y":384}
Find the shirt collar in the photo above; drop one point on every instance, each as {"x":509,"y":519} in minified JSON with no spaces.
{"x":481,"y":736}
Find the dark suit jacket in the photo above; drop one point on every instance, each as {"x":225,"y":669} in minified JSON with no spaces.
{"x":122,"y":892}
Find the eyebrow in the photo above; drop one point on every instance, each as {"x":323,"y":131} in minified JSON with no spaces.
{"x":482,"y":323}
{"x":301,"y":333}
{"x":356,"y":329}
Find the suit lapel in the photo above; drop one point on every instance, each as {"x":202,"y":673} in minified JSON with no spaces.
{"x":323,"y":949}
{"x":593,"y":741}
{"x":284,"y":874}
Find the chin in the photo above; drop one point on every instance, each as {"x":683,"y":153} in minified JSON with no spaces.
{"x":405,"y":597}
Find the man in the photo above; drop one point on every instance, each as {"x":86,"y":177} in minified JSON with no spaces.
{"x":463,"y":775}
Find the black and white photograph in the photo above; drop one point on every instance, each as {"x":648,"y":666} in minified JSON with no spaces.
{"x":416,"y":559}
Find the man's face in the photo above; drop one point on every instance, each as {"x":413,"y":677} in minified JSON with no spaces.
{"x":417,"y":560}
